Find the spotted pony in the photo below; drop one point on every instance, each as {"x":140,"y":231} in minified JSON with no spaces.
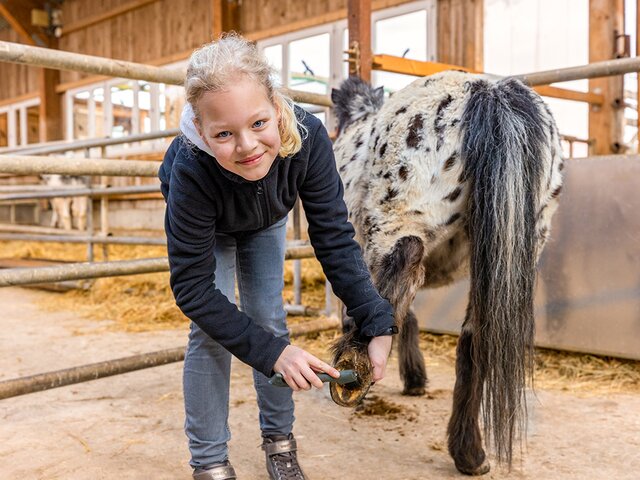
{"x":455,"y":175}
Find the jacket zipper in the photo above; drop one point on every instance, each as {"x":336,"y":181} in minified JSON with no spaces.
{"x":264,"y":205}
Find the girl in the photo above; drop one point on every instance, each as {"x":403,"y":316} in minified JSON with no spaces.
{"x":229,"y":183}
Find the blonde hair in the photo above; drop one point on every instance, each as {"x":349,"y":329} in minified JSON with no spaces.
{"x":216,"y":64}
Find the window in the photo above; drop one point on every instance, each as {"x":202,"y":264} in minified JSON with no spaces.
{"x":19,"y":123}
{"x":313,"y":59}
{"x":522,"y":37}
{"x":119,"y":107}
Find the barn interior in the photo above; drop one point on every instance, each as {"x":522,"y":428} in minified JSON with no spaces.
{"x":111,"y":104}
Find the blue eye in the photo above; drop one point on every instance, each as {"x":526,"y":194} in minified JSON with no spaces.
{"x":224,"y":134}
{"x":259,"y":123}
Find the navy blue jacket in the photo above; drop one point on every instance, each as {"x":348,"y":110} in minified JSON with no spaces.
{"x":203,"y":198}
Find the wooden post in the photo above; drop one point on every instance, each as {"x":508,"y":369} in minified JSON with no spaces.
{"x":359,"y":22}
{"x":606,"y":22}
{"x":50,"y":114}
{"x":225,"y":17}
{"x":461,"y":33}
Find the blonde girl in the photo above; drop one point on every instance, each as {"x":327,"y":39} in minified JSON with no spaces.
{"x":229,"y":182}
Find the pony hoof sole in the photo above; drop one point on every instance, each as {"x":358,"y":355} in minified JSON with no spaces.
{"x":414,"y":391}
{"x":475,"y":472}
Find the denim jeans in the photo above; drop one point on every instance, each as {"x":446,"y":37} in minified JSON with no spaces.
{"x":258,"y":264}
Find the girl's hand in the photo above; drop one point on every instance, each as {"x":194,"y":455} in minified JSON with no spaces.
{"x":379,"y":349}
{"x":298,"y":368}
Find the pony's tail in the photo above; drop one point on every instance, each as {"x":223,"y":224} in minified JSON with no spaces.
{"x":502,"y":154}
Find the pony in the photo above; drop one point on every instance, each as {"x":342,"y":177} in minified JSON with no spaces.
{"x":455,"y":175}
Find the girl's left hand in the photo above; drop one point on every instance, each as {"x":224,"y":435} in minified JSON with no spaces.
{"x":379,"y":349}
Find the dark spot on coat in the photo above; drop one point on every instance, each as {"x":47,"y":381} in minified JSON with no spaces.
{"x":415,"y":131}
{"x":402,"y":110}
{"x":556,"y":192}
{"x":455,"y":217}
{"x":450,"y":162}
{"x":383,"y":149}
{"x":387,"y":175}
{"x":403,"y":172}
{"x":561,"y":166}
{"x":438,"y":124}
{"x":375,"y":144}
{"x":453,"y":196}
{"x":463,"y":176}
{"x":416,"y":212}
{"x":455,"y":122}
{"x":354,"y":158}
{"x":343,"y":168}
{"x":391,"y":194}
{"x":427,"y":81}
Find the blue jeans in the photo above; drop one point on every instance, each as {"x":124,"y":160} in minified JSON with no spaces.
{"x":258,"y":263}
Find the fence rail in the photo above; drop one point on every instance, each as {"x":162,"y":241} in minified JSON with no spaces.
{"x":31,"y":165}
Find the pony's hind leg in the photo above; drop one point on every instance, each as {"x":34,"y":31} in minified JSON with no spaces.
{"x":412,"y":369}
{"x":398,"y":275}
{"x":465,"y":439}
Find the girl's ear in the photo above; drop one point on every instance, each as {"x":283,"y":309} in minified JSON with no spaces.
{"x":196,"y":123}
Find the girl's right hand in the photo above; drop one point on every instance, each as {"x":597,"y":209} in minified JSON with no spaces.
{"x":298,"y":368}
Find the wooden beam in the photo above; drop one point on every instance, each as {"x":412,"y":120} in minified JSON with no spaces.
{"x":389,"y":63}
{"x":217,"y":14}
{"x":104,"y":16}
{"x":460,"y":33}
{"x":50,"y":110}
{"x":359,"y":23}
{"x":606,"y":122}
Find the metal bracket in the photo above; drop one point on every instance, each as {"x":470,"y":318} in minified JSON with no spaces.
{"x":353,"y":58}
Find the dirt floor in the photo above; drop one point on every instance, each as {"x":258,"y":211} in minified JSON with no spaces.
{"x":130,"y":426}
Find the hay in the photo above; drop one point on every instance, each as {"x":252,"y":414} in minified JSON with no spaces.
{"x":141,"y":303}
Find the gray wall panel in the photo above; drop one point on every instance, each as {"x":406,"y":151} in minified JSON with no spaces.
{"x":588,"y":293}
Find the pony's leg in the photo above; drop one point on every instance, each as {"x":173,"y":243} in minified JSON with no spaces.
{"x":398,"y":275}
{"x":412,"y":369}
{"x":465,"y":439}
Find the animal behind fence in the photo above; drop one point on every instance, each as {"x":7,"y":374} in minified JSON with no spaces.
{"x":64,"y":210}
{"x":455,"y":175}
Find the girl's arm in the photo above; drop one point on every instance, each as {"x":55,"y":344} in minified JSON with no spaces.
{"x":332,"y":237}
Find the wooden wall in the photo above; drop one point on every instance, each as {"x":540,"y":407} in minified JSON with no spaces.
{"x":460,"y":33}
{"x":257,"y":15}
{"x":153,"y":32}
{"x":16,"y":80}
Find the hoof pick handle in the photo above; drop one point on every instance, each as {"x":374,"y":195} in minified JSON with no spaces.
{"x":346,"y":376}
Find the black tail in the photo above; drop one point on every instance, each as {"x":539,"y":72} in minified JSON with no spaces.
{"x":503,"y":154}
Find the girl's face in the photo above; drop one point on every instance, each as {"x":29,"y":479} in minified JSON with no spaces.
{"x":240,"y":125}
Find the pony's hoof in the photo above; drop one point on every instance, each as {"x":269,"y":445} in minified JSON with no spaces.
{"x":414,"y":391}
{"x":480,"y":470}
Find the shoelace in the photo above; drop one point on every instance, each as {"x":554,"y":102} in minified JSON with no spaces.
{"x":286,"y":466}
